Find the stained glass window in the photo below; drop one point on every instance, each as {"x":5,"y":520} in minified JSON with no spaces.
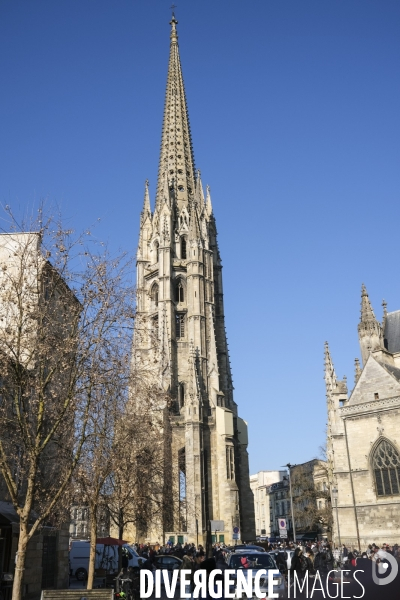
{"x":386,"y":466}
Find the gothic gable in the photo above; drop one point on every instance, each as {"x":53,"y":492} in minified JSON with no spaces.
{"x":375,"y":383}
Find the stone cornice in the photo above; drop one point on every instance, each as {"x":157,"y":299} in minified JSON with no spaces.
{"x":368,"y":407}
{"x":152,"y":274}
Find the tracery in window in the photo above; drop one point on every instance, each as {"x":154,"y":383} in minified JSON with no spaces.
{"x":179,"y":292}
{"x":386,"y":466}
{"x":179,"y":325}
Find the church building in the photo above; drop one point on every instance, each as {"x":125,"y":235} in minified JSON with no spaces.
{"x":180,"y":328}
{"x":363,"y":435}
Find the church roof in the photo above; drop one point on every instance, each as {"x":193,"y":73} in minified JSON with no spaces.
{"x":176,"y":156}
{"x":395,"y":371}
{"x":392,"y":332}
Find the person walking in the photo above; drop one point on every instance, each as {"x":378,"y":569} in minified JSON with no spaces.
{"x":187,"y":565}
{"x":299,"y":564}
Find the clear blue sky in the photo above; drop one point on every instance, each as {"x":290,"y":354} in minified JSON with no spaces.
{"x":294,"y":109}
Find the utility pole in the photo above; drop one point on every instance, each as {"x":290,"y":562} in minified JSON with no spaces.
{"x":352,"y":486}
{"x":289,"y":466}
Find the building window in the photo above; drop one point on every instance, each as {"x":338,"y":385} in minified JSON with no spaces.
{"x":183,"y":248}
{"x":386,"y":466}
{"x":154,"y":295}
{"x":157,"y":249}
{"x":181,"y":395}
{"x":230,"y":463}
{"x":180,"y":325}
{"x":179,"y":292}
{"x":376,"y":396}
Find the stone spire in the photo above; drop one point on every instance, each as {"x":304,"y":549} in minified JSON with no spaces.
{"x":369,"y":330}
{"x":329,"y":371}
{"x":199,"y":194}
{"x":176,"y":157}
{"x":146,"y":204}
{"x":367,"y":313}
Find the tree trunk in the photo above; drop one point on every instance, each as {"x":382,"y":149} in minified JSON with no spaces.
{"x":21,"y":557}
{"x":120,"y":537}
{"x":92,"y":554}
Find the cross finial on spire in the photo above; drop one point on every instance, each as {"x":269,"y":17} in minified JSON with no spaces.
{"x":173,"y":22}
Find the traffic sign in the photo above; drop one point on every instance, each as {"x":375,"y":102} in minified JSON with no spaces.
{"x":282,"y":523}
{"x":283,"y":533}
{"x":236,"y":530}
{"x":236,"y":533}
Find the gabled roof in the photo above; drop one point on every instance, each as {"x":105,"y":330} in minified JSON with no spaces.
{"x":392,"y":332}
{"x":376,"y":378}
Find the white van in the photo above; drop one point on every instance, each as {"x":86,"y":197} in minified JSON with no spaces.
{"x":106,"y":558}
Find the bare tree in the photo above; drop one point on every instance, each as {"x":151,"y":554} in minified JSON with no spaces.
{"x":311,"y":496}
{"x":137,"y":490}
{"x":64,"y":306}
{"x":97,"y":458}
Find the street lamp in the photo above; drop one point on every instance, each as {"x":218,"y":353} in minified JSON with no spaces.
{"x":335,"y":498}
{"x":289,"y":466}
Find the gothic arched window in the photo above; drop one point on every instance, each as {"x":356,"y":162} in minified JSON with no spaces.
{"x":180,"y":325}
{"x":386,"y":466}
{"x":183,"y":248}
{"x":179,"y":291}
{"x":154,"y":295}
{"x":157,"y":249}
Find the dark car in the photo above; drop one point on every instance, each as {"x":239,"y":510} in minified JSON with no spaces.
{"x":167,"y":561}
{"x":249,"y":562}
{"x":245,"y":547}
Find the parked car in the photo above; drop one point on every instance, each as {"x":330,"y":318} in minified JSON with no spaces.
{"x":250,"y":562}
{"x":167,"y":561}
{"x":106,"y":558}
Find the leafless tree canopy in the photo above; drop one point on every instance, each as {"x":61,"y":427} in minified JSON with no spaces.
{"x":66,"y":320}
{"x":311,"y":497}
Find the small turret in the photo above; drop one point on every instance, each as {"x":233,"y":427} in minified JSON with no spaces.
{"x":199,"y":194}
{"x":146,"y":203}
{"x":369,"y":329}
{"x":329,"y":371}
{"x":208,"y":202}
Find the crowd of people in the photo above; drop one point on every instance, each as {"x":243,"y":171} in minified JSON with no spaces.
{"x":308,"y":556}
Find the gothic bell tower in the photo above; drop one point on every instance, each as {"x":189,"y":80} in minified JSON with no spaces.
{"x":181,"y":324}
